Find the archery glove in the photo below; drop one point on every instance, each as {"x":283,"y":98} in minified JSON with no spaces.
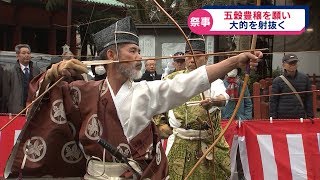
{"x":69,"y":68}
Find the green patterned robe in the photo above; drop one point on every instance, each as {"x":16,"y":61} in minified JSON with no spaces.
{"x":182,"y":155}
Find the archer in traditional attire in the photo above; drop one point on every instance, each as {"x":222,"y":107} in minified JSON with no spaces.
{"x":192,"y":132}
{"x":60,"y":137}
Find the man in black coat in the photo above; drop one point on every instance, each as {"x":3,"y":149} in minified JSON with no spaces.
{"x":150,"y":73}
{"x":289,"y":106}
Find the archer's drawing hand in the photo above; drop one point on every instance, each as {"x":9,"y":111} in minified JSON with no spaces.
{"x":67,"y":68}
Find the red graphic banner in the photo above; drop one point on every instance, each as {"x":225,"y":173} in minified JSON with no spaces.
{"x":283,"y":149}
{"x":8,"y":137}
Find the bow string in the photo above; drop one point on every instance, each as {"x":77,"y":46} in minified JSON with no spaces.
{"x":244,"y":86}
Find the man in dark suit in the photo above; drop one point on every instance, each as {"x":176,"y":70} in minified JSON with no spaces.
{"x":150,"y":74}
{"x":16,"y":79}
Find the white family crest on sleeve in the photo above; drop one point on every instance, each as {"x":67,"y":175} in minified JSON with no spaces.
{"x":57,"y":113}
{"x":71,"y":153}
{"x":94,"y":128}
{"x":158,"y":153}
{"x":75,"y":95}
{"x":35,"y":148}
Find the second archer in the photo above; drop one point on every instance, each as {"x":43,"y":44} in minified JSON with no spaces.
{"x":195,"y":126}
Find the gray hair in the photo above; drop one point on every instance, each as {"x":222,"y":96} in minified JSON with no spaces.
{"x":19,"y":46}
{"x":103,"y":53}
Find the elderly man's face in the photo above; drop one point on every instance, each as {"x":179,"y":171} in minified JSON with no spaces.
{"x":24,"y":56}
{"x":200,"y":60}
{"x":151,"y":66}
{"x":179,"y":64}
{"x":132,"y":69}
{"x":290,"y":66}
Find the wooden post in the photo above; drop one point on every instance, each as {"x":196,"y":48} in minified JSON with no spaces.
{"x":17,"y":28}
{"x":52,"y":41}
{"x":256,"y":101}
{"x":262,"y":89}
{"x":73,"y":43}
{"x":69,"y":17}
{"x":264,"y":110}
{"x":264,"y":106}
{"x":5,"y":40}
{"x":314,"y":100}
{"x":16,"y":36}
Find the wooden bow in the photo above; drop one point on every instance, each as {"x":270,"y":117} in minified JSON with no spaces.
{"x":245,"y":83}
{"x":191,"y":49}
